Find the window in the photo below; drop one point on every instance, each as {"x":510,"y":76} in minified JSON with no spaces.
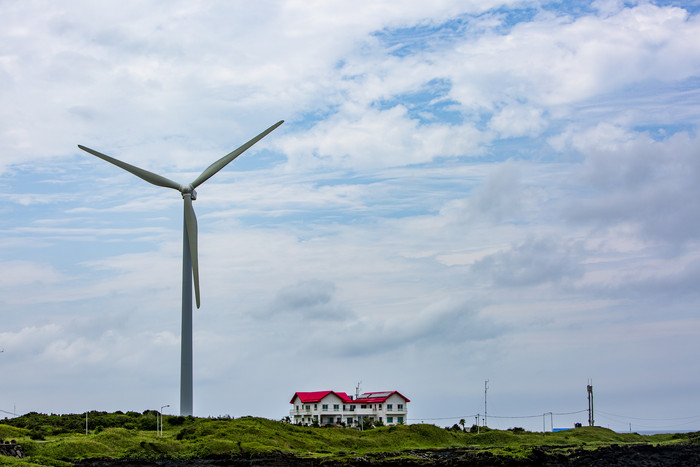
{"x":399,"y":419}
{"x":297,"y":408}
{"x":390,"y":419}
{"x":308,"y":407}
{"x":336,"y":407}
{"x":380,"y":406}
{"x":315,"y":406}
{"x":338,"y":420}
{"x":352,"y":407}
{"x":389,"y":407}
{"x":399,"y":406}
{"x":324,"y":407}
{"x":349,"y":421}
{"x":363,"y":406}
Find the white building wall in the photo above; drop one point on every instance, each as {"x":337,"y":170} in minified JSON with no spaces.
{"x":395,"y":410}
{"x":315,"y":412}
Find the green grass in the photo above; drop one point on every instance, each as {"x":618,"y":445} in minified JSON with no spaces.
{"x":190,"y":437}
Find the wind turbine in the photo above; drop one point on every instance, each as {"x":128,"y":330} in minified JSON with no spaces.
{"x":190,"y":264}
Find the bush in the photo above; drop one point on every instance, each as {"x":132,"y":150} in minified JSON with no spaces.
{"x":185,"y":433}
{"x":147,"y":423}
{"x":175,"y":421}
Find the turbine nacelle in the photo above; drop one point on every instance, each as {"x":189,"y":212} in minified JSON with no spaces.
{"x":188,"y":190}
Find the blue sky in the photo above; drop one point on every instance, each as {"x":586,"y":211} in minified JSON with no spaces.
{"x":461,"y":191}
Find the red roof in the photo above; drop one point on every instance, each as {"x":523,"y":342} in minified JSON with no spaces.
{"x":316,"y":396}
{"x":378,"y":396}
{"x":366,"y":398}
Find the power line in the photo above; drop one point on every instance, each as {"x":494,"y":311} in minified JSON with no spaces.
{"x":498,"y":416}
{"x":443,"y":418}
{"x":539,"y":415}
{"x":650,"y":419}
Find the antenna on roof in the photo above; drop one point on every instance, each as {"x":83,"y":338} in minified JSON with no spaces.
{"x":357,"y":390}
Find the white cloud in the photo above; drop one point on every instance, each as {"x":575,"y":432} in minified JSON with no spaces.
{"x":22,"y":273}
{"x":515,"y":121}
{"x":467,"y":190}
{"x":366,"y":138}
{"x":631,"y":178}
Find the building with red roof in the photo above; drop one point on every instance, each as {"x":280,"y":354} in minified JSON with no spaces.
{"x":337,"y":408}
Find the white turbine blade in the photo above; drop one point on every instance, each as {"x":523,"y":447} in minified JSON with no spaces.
{"x":221,"y":163}
{"x":150,"y":177}
{"x":191,"y":225}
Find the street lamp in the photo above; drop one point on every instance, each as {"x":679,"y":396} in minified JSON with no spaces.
{"x":161,"y":418}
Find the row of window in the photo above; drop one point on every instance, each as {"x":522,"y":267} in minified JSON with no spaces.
{"x":336,"y":407}
{"x":350,"y":420}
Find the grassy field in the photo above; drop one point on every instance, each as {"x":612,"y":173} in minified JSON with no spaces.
{"x":61,"y":440}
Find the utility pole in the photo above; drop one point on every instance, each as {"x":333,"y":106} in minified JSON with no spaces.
{"x":591,"y":420}
{"x":486,"y":388}
{"x":551,"y":420}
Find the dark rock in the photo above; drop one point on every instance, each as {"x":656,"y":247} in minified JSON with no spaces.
{"x":635,"y":455}
{"x":11,"y":449}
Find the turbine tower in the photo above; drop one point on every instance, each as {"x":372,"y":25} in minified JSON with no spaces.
{"x":190,"y":263}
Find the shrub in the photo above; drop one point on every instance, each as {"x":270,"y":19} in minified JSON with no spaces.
{"x":175,"y":421}
{"x":147,"y":423}
{"x":185,"y":433}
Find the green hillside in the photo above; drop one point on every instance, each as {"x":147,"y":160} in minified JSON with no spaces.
{"x":60,"y":440}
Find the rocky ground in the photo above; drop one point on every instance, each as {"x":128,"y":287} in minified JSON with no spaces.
{"x":635,"y":455}
{"x":11,"y":449}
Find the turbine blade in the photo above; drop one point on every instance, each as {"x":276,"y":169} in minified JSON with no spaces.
{"x":150,"y":177}
{"x":221,"y":163}
{"x":191,"y":225}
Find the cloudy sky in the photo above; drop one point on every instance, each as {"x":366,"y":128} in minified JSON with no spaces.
{"x":462,"y":191}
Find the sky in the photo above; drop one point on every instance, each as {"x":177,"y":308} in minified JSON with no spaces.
{"x":462,"y":192}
